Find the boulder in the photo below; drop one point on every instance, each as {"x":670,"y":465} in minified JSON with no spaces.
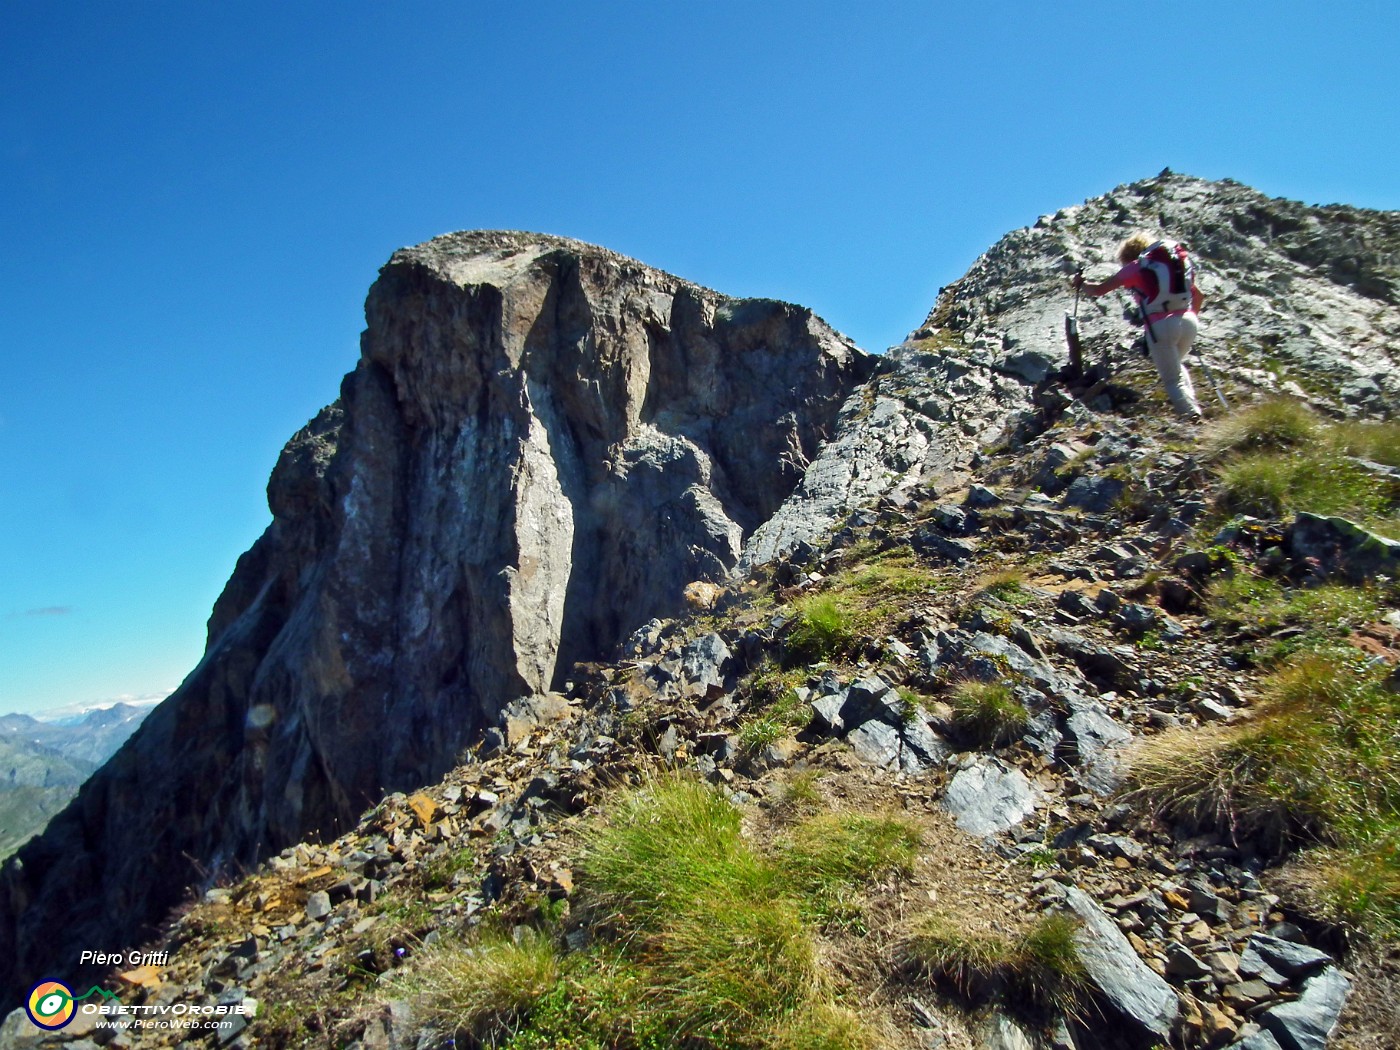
{"x":1309,"y":1021}
{"x":1126,"y":982}
{"x":989,"y":796}
{"x":876,"y":743}
{"x":1264,"y":955}
{"x":1335,"y":545}
{"x":704,"y":663}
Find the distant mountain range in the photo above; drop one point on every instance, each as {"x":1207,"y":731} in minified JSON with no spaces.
{"x":45,"y":759}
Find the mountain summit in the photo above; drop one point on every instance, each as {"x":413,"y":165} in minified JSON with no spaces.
{"x":542,"y":444}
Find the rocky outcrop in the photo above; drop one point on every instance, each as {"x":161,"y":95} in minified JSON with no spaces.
{"x":1302,"y":299}
{"x":922,"y":421}
{"x":542,"y":444}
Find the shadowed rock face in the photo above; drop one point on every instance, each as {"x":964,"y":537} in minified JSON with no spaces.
{"x":542,"y":443}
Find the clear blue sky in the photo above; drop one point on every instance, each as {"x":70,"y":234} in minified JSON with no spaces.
{"x":195,"y":197}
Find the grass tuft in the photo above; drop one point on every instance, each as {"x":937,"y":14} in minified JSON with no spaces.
{"x":894,"y":572}
{"x":709,"y":938}
{"x":1274,"y":425}
{"x":987,"y":713}
{"x":1319,"y":765}
{"x":1040,"y":966}
{"x":758,"y":733}
{"x":824,"y":1027}
{"x":1007,"y":585}
{"x":666,"y":846}
{"x":1355,"y":889}
{"x":484,"y":989}
{"x":824,"y":628}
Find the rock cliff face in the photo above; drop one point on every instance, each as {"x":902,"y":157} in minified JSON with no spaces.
{"x":542,"y":444}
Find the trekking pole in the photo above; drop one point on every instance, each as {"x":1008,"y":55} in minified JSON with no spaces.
{"x":1211,"y":376}
{"x":1076,"y":350}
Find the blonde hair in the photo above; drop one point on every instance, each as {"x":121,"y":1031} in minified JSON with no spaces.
{"x":1133,"y":247}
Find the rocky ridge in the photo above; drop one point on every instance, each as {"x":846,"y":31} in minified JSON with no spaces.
{"x":1009,"y":463}
{"x":1300,"y":299}
{"x":1183,"y":936}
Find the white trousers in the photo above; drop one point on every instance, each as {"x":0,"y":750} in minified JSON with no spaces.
{"x":1168,"y":342}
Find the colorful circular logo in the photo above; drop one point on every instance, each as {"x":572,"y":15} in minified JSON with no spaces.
{"x":50,"y":1005}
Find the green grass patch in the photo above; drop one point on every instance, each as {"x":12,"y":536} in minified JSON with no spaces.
{"x":1377,"y":442}
{"x":1319,"y":765}
{"x":824,"y":1027}
{"x":704,"y":939}
{"x":596,"y":1003}
{"x":1355,"y":889}
{"x":772,"y":684}
{"x":1280,"y":458}
{"x":910,"y":704}
{"x":825,"y":626}
{"x":987,"y":713}
{"x":1038,"y":967}
{"x":829,"y":856}
{"x":777,"y":709}
{"x":800,"y":789}
{"x":1261,"y":606}
{"x":1273,"y":484}
{"x":894,"y":572}
{"x":857,"y":601}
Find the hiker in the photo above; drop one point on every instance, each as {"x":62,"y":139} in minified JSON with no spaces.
{"x":1159,"y":275}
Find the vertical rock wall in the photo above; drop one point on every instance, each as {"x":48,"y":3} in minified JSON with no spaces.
{"x":542,"y":443}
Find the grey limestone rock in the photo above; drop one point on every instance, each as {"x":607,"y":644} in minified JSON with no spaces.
{"x":876,"y":743}
{"x":827,"y":709}
{"x":1264,"y":955}
{"x":1098,"y":740}
{"x":989,"y":796}
{"x":1094,"y":494}
{"x":1308,"y":1022}
{"x":926,"y":745}
{"x":1124,"y":979}
{"x":928,"y":412}
{"x":1340,"y":546}
{"x":704,"y":663}
{"x":1002,"y":1033}
{"x":988,"y":657}
{"x":541,"y":445}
